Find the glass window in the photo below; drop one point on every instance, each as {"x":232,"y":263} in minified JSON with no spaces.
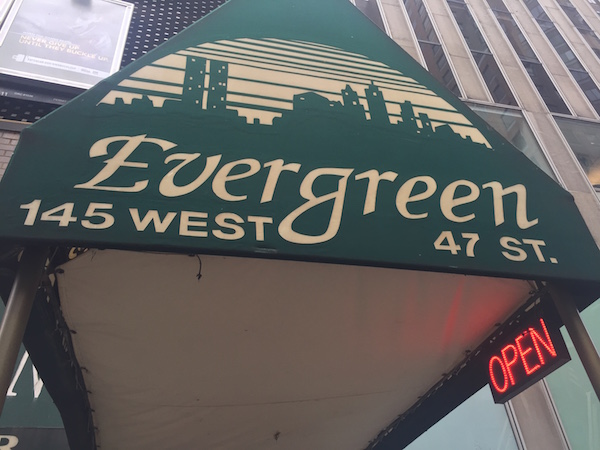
{"x":436,"y":60}
{"x":566,"y":54}
{"x":493,"y":78}
{"x":560,"y":45}
{"x":595,"y":6}
{"x":488,"y":67}
{"x":468,"y":27}
{"x":572,"y":392}
{"x":536,"y":9}
{"x":574,"y":15}
{"x":438,"y":65}
{"x":592,"y":39}
{"x":514,"y":128}
{"x":590,"y":89}
{"x":545,"y":87}
{"x":515,"y":36}
{"x":498,"y":5}
{"x":476,"y":424}
{"x":582,"y":26}
{"x":532,"y":65}
{"x":420,"y":21}
{"x":584,"y":140}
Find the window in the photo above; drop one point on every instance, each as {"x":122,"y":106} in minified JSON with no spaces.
{"x":566,"y":54}
{"x":584,"y":140}
{"x":487,"y":426}
{"x":436,"y":60}
{"x":514,"y":128}
{"x":488,"y":67}
{"x":575,"y":400}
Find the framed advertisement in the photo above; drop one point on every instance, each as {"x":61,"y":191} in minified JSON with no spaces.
{"x":76,"y":45}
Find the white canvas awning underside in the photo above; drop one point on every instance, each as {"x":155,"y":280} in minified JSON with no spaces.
{"x":263,"y":354}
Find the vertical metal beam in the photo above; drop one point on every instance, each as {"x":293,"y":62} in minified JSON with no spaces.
{"x":16,"y":315}
{"x":565,"y":305}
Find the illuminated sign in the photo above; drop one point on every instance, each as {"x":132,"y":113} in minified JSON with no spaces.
{"x":531,"y":353}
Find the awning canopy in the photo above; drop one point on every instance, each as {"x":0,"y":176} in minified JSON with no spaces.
{"x":357,"y":231}
{"x":260,"y":354}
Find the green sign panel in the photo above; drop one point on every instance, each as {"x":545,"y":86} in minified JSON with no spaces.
{"x":290,"y":129}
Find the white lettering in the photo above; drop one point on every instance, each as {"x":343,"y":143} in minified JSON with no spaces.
{"x":12,"y":442}
{"x":499,"y":192}
{"x":285,"y":227}
{"x":505,"y":242}
{"x":374,"y":179}
{"x":160,"y":225}
{"x":38,"y":384}
{"x":405,"y":196}
{"x":536,"y":244}
{"x":187,"y":221}
{"x":167,"y":186}
{"x":221,"y":220}
{"x":223,"y":176}
{"x":448,"y":202}
{"x":259,"y":223}
{"x":100,"y":148}
{"x":11,"y":389}
{"x":275,"y":168}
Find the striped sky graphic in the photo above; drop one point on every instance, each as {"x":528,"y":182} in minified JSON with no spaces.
{"x":262,"y":76}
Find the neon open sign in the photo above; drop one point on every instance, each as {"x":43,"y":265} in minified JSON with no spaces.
{"x":525,"y":357}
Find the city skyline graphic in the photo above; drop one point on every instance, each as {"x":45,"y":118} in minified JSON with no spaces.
{"x":265,"y":81}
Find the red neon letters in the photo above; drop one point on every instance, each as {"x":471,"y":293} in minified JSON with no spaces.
{"x":531,"y":350}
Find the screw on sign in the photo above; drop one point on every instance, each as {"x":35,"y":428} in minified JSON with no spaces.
{"x":525,"y":359}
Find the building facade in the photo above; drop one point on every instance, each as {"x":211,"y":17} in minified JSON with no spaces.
{"x":531,"y":69}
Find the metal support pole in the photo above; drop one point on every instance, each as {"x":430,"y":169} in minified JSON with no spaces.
{"x":565,"y":305}
{"x":16,"y":315}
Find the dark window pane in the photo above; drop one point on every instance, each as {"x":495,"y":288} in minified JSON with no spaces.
{"x":438,"y":65}
{"x":584,"y":140}
{"x":493,"y":78}
{"x":487,"y":65}
{"x":575,"y":17}
{"x":592,"y":39}
{"x":589,"y":88}
{"x":498,"y":5}
{"x":582,"y":26}
{"x":516,"y":37}
{"x":546,"y":88}
{"x":468,"y":27}
{"x":595,"y":6}
{"x":433,"y":53}
{"x":561,"y":46}
{"x":536,"y":71}
{"x":536,"y":10}
{"x":566,"y":54}
{"x":420,"y":21}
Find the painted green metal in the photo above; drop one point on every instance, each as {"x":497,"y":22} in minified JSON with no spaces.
{"x":290,"y":129}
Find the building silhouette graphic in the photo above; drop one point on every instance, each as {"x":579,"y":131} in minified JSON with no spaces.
{"x":205,"y":93}
{"x":377,"y":109}
{"x":205,"y":83}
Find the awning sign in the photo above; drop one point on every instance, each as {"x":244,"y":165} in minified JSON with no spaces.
{"x":291,"y":129}
{"x":524,"y":357}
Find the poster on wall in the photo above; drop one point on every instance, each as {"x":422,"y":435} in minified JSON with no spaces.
{"x":76,"y":45}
